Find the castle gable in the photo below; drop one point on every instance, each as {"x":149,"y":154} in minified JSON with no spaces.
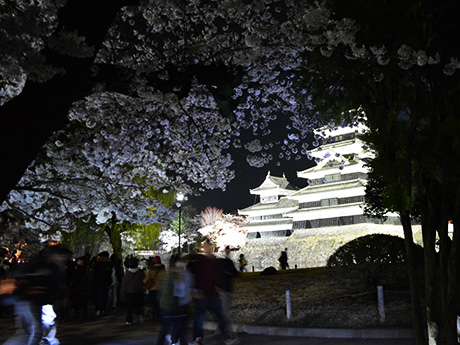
{"x":273,"y":188}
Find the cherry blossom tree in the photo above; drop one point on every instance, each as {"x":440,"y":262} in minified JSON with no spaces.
{"x":155,"y":96}
{"x":222,"y":229}
{"x":169,"y":239}
{"x":194,"y":70}
{"x":210,"y":215}
{"x":188,"y":230}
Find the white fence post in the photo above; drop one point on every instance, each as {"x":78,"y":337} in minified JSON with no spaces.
{"x":381,"y":304}
{"x":288,"y":304}
{"x":458,"y":329}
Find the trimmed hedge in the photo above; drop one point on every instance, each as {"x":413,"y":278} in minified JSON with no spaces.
{"x":377,"y":259}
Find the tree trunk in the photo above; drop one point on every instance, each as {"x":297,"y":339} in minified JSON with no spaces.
{"x":452,"y":294}
{"x":412,"y":265}
{"x":431,"y":278}
{"x":453,"y":272}
{"x":115,"y":239}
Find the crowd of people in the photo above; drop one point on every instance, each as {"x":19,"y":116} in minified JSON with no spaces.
{"x":53,"y":286}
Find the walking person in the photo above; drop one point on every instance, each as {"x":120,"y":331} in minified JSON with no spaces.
{"x":283,"y":259}
{"x":132,"y":290}
{"x":117,"y":275}
{"x":102,"y":280}
{"x":206,"y":274}
{"x":228,"y":273}
{"x":80,"y":286}
{"x":151,"y":283}
{"x":36,"y":290}
{"x":174,"y":295}
{"x":243,"y":263}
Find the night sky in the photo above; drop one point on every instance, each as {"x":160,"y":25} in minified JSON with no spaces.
{"x":237,"y":195}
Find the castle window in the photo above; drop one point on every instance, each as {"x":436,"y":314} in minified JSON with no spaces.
{"x":269,"y":198}
{"x":267,"y":216}
{"x":329,"y":202}
{"x":310,"y":204}
{"x":332,"y":178}
{"x":332,"y":202}
{"x":351,"y":199}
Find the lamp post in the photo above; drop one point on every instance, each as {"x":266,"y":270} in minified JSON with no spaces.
{"x":179,"y":198}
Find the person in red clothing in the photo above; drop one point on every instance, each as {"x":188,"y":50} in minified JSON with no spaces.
{"x":132,"y":290}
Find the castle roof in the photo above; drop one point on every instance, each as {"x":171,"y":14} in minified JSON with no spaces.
{"x":275,"y":186}
{"x":328,"y":187}
{"x":282,"y":205}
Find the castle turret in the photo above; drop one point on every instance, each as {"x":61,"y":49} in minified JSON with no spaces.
{"x":315,"y":221}
{"x":266,"y":219}
{"x":335,"y":194}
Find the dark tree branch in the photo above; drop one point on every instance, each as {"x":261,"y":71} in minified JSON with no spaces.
{"x":31,"y":118}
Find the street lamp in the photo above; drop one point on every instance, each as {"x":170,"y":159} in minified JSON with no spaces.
{"x":179,"y":198}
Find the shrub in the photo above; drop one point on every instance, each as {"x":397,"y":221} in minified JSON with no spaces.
{"x":377,"y":259}
{"x":269,"y":271}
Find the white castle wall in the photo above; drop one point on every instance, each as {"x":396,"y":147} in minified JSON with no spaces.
{"x":312,"y":247}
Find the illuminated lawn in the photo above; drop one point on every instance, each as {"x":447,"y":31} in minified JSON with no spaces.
{"x":317,"y":300}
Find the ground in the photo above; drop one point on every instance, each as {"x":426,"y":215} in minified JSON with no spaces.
{"x":317,"y":300}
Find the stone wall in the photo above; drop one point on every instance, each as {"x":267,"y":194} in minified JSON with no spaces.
{"x":312,"y":247}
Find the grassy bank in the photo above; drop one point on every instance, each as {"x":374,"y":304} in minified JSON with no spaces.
{"x":317,"y":300}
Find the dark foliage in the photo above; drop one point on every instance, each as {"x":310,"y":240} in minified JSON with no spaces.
{"x":269,"y":271}
{"x":377,"y":259}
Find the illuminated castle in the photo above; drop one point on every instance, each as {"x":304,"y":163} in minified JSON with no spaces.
{"x":330,"y":207}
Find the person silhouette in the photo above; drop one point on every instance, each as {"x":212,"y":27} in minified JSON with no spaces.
{"x":283,"y":259}
{"x":243,"y":263}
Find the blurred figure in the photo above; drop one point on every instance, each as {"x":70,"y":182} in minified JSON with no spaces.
{"x":80,"y":285}
{"x":174,"y":298}
{"x":14,"y":260}
{"x":126,"y":262}
{"x":49,"y":325}
{"x":283,"y":259}
{"x":151,"y":283}
{"x":6,"y":286}
{"x":228,"y":273}
{"x":132,"y":291}
{"x":64,"y":298}
{"x":88,"y":260}
{"x":117,"y":275}
{"x":243,"y":263}
{"x":35,"y":290}
{"x":102,"y":280}
{"x":206,"y":274}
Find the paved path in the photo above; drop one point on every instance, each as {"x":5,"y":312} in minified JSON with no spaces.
{"x":250,"y":339}
{"x":111,"y":330}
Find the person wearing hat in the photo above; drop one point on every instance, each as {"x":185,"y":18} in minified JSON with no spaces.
{"x":132,"y":291}
{"x":152,"y":278}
